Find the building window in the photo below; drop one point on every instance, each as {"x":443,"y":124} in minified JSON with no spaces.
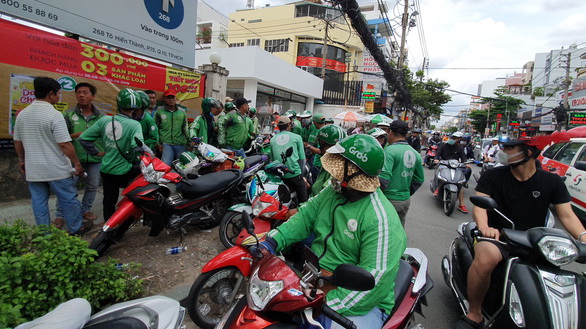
{"x":319,"y":11}
{"x":277,"y":45}
{"x":239,"y":44}
{"x":253,"y":42}
{"x":255,"y":21}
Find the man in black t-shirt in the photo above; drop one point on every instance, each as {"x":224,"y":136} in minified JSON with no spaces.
{"x":452,"y":150}
{"x":523,"y":194}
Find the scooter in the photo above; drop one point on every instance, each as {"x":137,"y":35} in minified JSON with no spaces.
{"x":430,"y":156}
{"x":155,"y":312}
{"x":267,"y":181}
{"x":201,"y":202}
{"x":448,"y":180}
{"x":486,"y":165}
{"x":411,"y":285}
{"x":528,"y":289}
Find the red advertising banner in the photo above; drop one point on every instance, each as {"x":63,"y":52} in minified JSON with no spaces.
{"x":30,"y":52}
{"x":317,"y":62}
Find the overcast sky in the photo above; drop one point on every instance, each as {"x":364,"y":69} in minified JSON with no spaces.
{"x":498,"y":34}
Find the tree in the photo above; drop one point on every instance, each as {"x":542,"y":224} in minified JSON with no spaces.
{"x":427,"y":96}
{"x":507,"y":106}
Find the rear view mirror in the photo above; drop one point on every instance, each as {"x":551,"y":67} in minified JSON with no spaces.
{"x":352,"y":277}
{"x":289,"y":152}
{"x":483,"y":202}
{"x":580,"y":165}
{"x":283,"y":193}
{"x":247,"y":221}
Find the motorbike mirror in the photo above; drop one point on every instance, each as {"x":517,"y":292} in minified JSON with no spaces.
{"x":289,"y":152}
{"x":283,"y":193}
{"x":138,"y":141}
{"x":483,"y":202}
{"x":351,"y":277}
{"x":247,"y":221}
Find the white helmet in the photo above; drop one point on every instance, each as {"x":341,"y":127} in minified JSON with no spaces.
{"x":458,"y":134}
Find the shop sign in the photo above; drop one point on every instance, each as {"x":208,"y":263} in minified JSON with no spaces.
{"x":577,"y":118}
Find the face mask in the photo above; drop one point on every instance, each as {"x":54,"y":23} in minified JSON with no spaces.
{"x":306,"y":122}
{"x":463,"y":142}
{"x":503,"y":158}
{"x":451,"y":141}
{"x":336,"y":185}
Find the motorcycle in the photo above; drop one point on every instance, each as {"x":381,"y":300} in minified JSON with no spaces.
{"x":201,"y":201}
{"x":260,"y":145}
{"x":156,"y":312}
{"x":448,"y":180}
{"x":528,"y":289}
{"x":486,"y":165}
{"x":281,"y":300}
{"x":265,"y":182}
{"x":430,"y":156}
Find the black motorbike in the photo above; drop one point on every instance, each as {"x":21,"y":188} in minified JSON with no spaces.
{"x":448,"y":180}
{"x":528,"y":289}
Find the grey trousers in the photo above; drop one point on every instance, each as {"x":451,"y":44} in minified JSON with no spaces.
{"x":402,"y":207}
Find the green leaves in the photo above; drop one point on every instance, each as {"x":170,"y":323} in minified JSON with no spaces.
{"x":42,"y":267}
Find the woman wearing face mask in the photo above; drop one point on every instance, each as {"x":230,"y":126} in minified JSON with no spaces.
{"x":453,"y":150}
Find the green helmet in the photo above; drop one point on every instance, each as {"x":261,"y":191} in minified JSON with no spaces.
{"x":229,"y":106}
{"x":128,"y":99}
{"x":305,"y":114}
{"x":209,"y":103}
{"x":146,"y":101}
{"x":188,"y":159}
{"x":362,"y":150}
{"x":319,"y":118}
{"x":376,"y":132}
{"x":331,"y":134}
{"x":291,"y":113}
{"x":329,"y":120}
{"x":252,"y":110}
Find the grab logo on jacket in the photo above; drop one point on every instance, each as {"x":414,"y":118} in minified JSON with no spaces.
{"x":409,"y":159}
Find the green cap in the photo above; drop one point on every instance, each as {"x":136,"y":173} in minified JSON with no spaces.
{"x":319,"y":118}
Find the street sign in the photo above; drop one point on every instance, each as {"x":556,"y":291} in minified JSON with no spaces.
{"x":577,"y":118}
{"x":369,"y":107}
{"x":369,"y":95}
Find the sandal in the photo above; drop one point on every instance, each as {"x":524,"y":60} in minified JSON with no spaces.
{"x":58,"y":222}
{"x":465,"y":323}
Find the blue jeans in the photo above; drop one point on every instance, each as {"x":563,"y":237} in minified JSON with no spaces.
{"x":238,"y":153}
{"x":172,"y":152}
{"x":372,"y":320}
{"x":92,"y":182}
{"x":66,"y":193}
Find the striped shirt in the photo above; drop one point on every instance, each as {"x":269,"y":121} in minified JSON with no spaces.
{"x":40,"y":128}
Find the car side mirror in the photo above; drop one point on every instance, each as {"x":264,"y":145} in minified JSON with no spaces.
{"x":580,"y":165}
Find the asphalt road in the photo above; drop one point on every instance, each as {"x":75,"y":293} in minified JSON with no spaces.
{"x":430,"y":230}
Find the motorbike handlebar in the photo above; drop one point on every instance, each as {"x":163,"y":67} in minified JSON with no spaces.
{"x":336,"y":317}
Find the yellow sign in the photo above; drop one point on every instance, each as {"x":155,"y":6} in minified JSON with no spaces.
{"x":369,"y":107}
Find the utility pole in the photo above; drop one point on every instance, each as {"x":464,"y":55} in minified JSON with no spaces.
{"x":404,"y":25}
{"x":487,"y":130}
{"x":325,"y":51}
{"x":566,"y":86}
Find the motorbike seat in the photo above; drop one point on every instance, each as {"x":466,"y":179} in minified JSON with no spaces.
{"x":468,"y":234}
{"x":209,"y":183}
{"x":252,"y":160}
{"x":126,"y":322}
{"x":403,"y":280}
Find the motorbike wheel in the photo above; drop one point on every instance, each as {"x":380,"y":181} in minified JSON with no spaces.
{"x":217,"y":210}
{"x":230,"y":227}
{"x":450,"y":199}
{"x":208,"y":297}
{"x":104,"y":240}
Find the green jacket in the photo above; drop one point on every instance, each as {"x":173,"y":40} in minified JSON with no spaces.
{"x":403,"y":166}
{"x":255,"y":125}
{"x":236,"y":130}
{"x":250,"y":127}
{"x":366,"y":233}
{"x":78,"y":123}
{"x":322,"y":181}
{"x":172,"y":125}
{"x":150,"y":131}
{"x":296,"y":127}
{"x":199,"y":128}
{"x":127,"y":129}
{"x":312,"y":135}
{"x":279,"y":145}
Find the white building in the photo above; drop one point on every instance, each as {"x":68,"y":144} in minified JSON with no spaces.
{"x":212,"y":27}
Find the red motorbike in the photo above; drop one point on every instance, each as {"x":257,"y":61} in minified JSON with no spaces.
{"x":201,"y":202}
{"x":222,"y":279}
{"x":277,"y":295}
{"x":430,"y":156}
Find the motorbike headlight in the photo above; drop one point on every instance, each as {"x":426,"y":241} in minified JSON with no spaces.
{"x":258,"y":206}
{"x":462,"y":181}
{"x":558,"y":251}
{"x":260,"y":292}
{"x":151,"y":175}
{"x":515,"y":307}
